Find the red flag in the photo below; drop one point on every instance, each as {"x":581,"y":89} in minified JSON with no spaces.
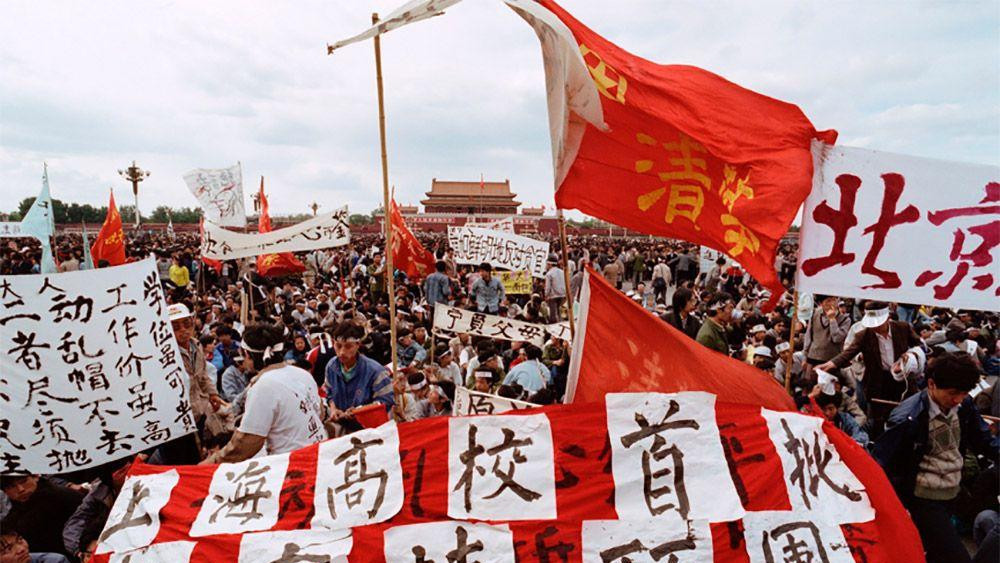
{"x":210,"y":262}
{"x":688,"y":154}
{"x":269,"y":265}
{"x":110,"y":242}
{"x":408,"y":255}
{"x":621,"y":347}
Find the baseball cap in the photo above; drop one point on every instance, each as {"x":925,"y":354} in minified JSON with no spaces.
{"x":178,"y":311}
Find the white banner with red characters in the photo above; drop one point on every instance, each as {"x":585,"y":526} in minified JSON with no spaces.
{"x":641,"y":476}
{"x":900,"y":228}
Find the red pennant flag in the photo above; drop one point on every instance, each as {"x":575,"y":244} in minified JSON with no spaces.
{"x":688,"y":154}
{"x":408,"y":255}
{"x":621,"y":347}
{"x":110,"y":242}
{"x":274,"y":265}
{"x":210,"y":262}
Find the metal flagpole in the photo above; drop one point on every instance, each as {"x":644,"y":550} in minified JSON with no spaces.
{"x":565,"y":267}
{"x":389,"y":278}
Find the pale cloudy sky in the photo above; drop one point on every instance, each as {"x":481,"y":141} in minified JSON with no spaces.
{"x":89,"y":86}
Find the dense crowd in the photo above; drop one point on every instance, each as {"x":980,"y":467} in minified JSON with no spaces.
{"x":280,"y":363}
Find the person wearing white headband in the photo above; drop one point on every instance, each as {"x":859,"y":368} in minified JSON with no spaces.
{"x":880,"y":344}
{"x":714,"y":332}
{"x":354,"y":380}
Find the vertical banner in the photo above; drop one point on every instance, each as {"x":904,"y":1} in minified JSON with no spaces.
{"x":871,"y":213}
{"x":220,"y":193}
{"x":91,"y":370}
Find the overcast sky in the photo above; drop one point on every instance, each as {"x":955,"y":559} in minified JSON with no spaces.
{"x":90,"y":86}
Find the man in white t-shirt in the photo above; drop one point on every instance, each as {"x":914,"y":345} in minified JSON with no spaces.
{"x":283,"y":409}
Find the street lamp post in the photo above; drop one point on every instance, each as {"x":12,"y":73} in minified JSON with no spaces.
{"x":314,"y":207}
{"x":134,"y":174}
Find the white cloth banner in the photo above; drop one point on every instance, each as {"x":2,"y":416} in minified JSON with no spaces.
{"x":900,"y":228}
{"x":455,"y":320}
{"x":505,"y":225}
{"x":412,"y":11}
{"x":11,"y":229}
{"x":469,"y":402}
{"x":475,"y":245}
{"x":707,"y":257}
{"x":323,"y":231}
{"x":220,"y":193}
{"x":91,"y":370}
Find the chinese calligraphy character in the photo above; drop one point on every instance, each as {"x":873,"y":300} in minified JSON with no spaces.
{"x":687,"y":178}
{"x":840,"y":221}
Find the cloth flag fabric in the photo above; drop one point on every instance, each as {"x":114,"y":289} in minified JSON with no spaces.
{"x":688,"y":154}
{"x":39,"y":222}
{"x":274,"y":265}
{"x":408,"y":255}
{"x":718,"y":481}
{"x":110,"y":242}
{"x":220,"y":193}
{"x":620,"y":346}
{"x":210,"y":262}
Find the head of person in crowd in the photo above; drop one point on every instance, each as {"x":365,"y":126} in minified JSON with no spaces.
{"x":532,"y":352}
{"x":483,"y":381}
{"x":440,"y":266}
{"x":763,"y":358}
{"x":405,"y":337}
{"x":950,"y":378}
{"x":207,"y":345}
{"x":264,"y":344}
{"x":830,"y":404}
{"x":225,"y":335}
{"x":757,"y":333}
{"x":683,"y":301}
{"x":511,"y":391}
{"x":876,"y":317}
{"x":299,"y":344}
{"x":485,"y":271}
{"x":181,"y":322}
{"x":13,"y":548}
{"x":19,"y":488}
{"x":720,"y":308}
{"x":347,"y":339}
{"x":441,"y":394}
{"x":417,"y":384}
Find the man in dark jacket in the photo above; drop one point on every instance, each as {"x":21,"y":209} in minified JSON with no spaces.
{"x":922,"y":451}
{"x":880,"y":344}
{"x":39,"y":509}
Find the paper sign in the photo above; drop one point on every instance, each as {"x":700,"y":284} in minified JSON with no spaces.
{"x":475,"y":245}
{"x":516,"y":283}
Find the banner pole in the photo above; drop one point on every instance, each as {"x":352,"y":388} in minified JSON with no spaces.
{"x":565,"y":268}
{"x":791,"y":340}
{"x":387,"y":224}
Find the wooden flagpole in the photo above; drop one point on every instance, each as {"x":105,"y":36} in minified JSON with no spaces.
{"x":565,"y":268}
{"x":389,"y":278}
{"x":791,"y":341}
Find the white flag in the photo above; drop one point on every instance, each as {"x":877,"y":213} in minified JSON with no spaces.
{"x":220,"y":193}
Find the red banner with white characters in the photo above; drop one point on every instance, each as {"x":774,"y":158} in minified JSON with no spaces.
{"x":901,"y":228}
{"x":639,"y":475}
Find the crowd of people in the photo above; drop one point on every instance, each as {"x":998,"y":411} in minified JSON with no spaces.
{"x":276,"y":364}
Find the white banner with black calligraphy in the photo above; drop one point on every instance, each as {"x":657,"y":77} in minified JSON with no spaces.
{"x":475,"y":245}
{"x":220,"y":193}
{"x":326,"y":230}
{"x":617,"y":541}
{"x":91,"y":370}
{"x":454,"y":320}
{"x":134,"y":519}
{"x":900,"y":228}
{"x":449,"y":542}
{"x":469,"y":402}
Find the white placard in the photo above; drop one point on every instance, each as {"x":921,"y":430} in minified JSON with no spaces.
{"x":889,"y":208}
{"x":616,"y":541}
{"x":816,"y":478}
{"x":11,"y":229}
{"x":469,"y":402}
{"x":359,"y":479}
{"x":437,"y":540}
{"x":326,"y":230}
{"x":793,"y":536}
{"x":559,"y":330}
{"x":167,"y":552}
{"x":707,"y":257}
{"x":501,"y":468}
{"x":243,"y":497}
{"x":296,"y":545}
{"x":475,"y":245}
{"x":455,"y":320}
{"x":134,"y":519}
{"x":91,"y":370}
{"x":219,"y":191}
{"x":667,"y":458}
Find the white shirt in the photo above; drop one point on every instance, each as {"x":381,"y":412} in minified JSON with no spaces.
{"x":885,"y":350}
{"x":453,"y":373}
{"x":284,"y":406}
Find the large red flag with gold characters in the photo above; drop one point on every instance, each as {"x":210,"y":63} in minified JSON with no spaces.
{"x":110,"y":242}
{"x":683,"y":152}
{"x":274,"y":265}
{"x":408,"y":255}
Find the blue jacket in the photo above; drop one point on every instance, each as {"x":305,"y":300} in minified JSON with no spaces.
{"x":371,"y":383}
{"x":904,"y":443}
{"x":437,"y":288}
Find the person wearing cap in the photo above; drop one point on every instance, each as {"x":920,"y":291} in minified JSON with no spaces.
{"x":437,"y":286}
{"x":827,"y":330}
{"x":283,"y":408}
{"x":714,"y":332}
{"x":787,"y":361}
{"x":488,"y":291}
{"x":410,"y":353}
{"x":881,"y":342}
{"x":353,"y":379}
{"x":924,"y":447}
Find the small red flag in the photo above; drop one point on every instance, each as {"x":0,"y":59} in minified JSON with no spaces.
{"x":274,"y":265}
{"x":408,"y":255}
{"x":110,"y":242}
{"x":620,"y":347}
{"x":688,"y":154}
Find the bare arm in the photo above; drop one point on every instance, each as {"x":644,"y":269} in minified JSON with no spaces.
{"x":240,"y":447}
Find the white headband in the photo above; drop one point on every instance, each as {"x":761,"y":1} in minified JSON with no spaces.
{"x":268,"y":352}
